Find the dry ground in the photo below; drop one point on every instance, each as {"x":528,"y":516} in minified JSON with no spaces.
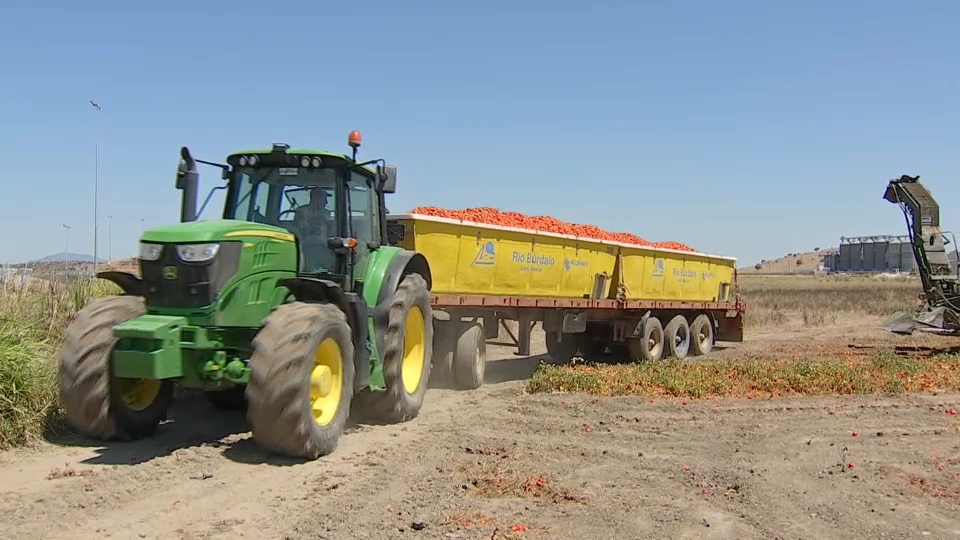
{"x":501,"y":463}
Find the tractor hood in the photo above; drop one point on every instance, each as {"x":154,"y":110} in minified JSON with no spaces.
{"x":214,"y":231}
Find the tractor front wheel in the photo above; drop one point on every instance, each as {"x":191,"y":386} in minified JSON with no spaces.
{"x":301,"y":380}
{"x":407,"y":356}
{"x":96,"y":403}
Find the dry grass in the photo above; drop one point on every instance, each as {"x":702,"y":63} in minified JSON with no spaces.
{"x":821,"y":300}
{"x":32,"y":320}
{"x":884,"y":371}
{"x":781,"y":301}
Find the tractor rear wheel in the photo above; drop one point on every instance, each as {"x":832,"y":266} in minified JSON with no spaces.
{"x":407,"y":356}
{"x":97,"y":404}
{"x":301,"y":380}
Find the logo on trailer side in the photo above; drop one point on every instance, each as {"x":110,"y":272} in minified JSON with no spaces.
{"x":659,"y":268}
{"x":486,"y":254}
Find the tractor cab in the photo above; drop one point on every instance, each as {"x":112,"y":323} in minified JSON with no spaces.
{"x":331,"y":204}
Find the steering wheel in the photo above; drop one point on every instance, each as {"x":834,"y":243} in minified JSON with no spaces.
{"x":290,"y":211}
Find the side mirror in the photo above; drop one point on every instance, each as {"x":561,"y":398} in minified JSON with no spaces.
{"x":388,"y":178}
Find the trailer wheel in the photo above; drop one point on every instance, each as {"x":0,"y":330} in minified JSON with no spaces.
{"x":96,"y":403}
{"x":649,"y":347}
{"x":701,"y":335}
{"x":301,"y":380}
{"x":445,"y":334}
{"x":561,"y":347}
{"x":470,"y":358}
{"x":594,"y":350}
{"x":407,"y":356}
{"x":677,"y":337}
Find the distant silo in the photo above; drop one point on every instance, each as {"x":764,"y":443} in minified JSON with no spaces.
{"x":894,"y":245}
{"x":868,"y":244}
{"x":880,"y":247}
{"x":907,"y":262}
{"x":856,"y":256}
{"x":846,"y":255}
{"x":834,"y":262}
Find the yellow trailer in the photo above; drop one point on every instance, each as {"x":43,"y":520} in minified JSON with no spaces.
{"x":592,"y":297}
{"x":480,"y":259}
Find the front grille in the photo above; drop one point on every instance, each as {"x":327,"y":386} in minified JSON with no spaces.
{"x":194,"y":285}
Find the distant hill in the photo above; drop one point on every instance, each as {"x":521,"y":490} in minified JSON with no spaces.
{"x":791,"y":263}
{"x":809,"y":262}
{"x":66,"y":257}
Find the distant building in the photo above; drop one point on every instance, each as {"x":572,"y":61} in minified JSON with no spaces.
{"x":881,"y":253}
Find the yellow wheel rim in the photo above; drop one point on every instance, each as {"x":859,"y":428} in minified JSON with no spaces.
{"x":326,"y":382}
{"x":138,"y":394}
{"x":414,"y":336}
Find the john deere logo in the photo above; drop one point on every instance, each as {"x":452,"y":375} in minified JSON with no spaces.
{"x":169,"y":272}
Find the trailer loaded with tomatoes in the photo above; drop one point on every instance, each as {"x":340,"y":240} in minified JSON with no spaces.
{"x":595,"y":293}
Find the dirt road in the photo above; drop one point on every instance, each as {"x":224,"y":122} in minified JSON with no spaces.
{"x":495,"y":463}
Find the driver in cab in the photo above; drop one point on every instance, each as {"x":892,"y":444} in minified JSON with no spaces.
{"x":312,"y":220}
{"x":311,"y":223}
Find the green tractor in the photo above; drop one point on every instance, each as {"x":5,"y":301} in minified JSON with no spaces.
{"x":292,"y":306}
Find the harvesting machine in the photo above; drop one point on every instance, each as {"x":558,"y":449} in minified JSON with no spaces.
{"x":939,"y":310}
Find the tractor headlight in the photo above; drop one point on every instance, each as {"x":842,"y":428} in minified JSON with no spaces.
{"x":150,"y":252}
{"x":197,"y":252}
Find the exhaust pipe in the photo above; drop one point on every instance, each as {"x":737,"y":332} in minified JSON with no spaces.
{"x":187,"y":180}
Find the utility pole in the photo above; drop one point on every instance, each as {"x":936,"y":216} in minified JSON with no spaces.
{"x":66,"y":248}
{"x":96,"y":181}
{"x":109,"y":238}
{"x":141,"y":227}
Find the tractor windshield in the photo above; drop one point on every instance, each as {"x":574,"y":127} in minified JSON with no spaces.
{"x":301,"y":200}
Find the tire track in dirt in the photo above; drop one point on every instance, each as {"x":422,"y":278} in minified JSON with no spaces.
{"x":201,"y":477}
{"x":468,"y":467}
{"x":711,"y":469}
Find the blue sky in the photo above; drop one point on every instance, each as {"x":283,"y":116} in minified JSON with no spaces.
{"x":746,"y":128}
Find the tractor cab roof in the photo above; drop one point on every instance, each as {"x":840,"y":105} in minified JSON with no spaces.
{"x":281,"y":154}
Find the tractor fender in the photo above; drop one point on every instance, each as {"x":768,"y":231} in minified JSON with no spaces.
{"x":309,"y":289}
{"x":405,"y":262}
{"x":130,"y":284}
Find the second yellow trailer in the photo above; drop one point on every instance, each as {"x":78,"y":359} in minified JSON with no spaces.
{"x":591,"y":297}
